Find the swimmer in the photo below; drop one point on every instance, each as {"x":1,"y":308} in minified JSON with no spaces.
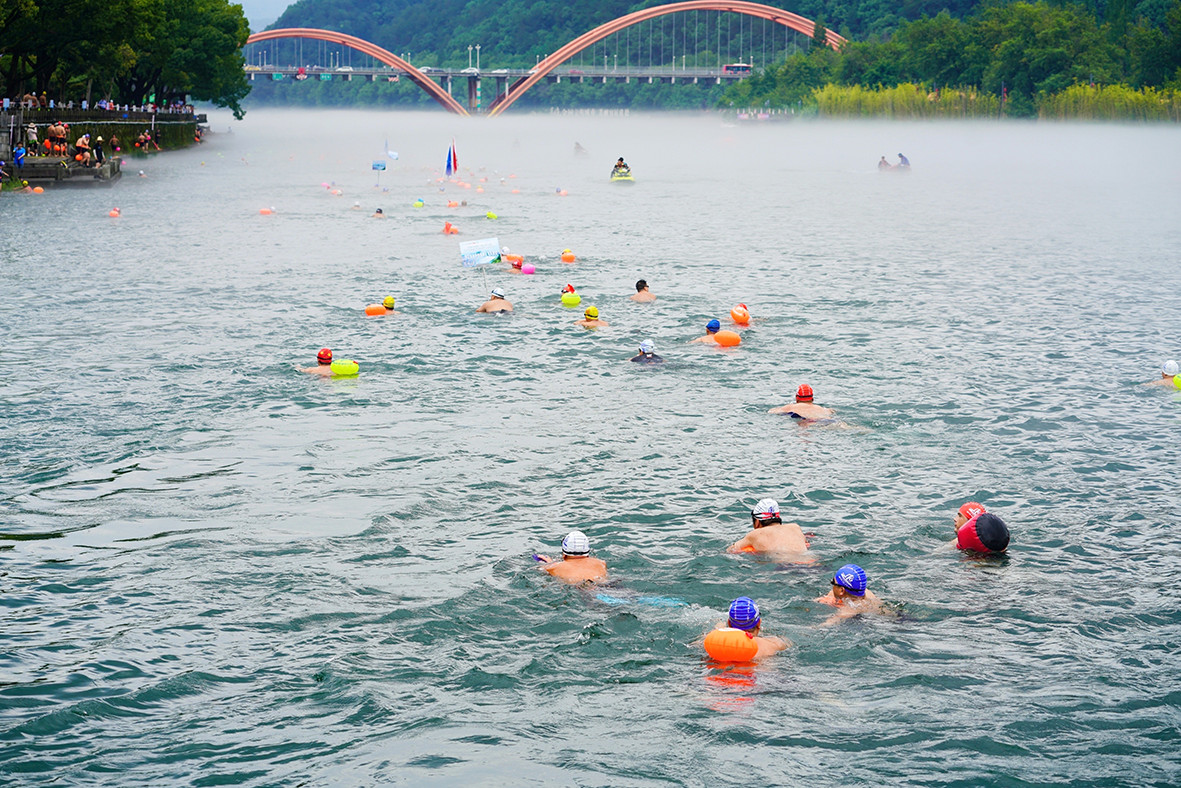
{"x":647,"y":354}
{"x":378,"y":214}
{"x":356,"y":206}
{"x":642,"y":295}
{"x":1168,"y":371}
{"x":323,"y":364}
{"x":978,"y":531}
{"x":711,"y":328}
{"x":803,"y":408}
{"x":576,"y":565}
{"x":783,"y":542}
{"x":388,"y":302}
{"x":591,"y":319}
{"x":744,"y":615}
{"x":141,"y":174}
{"x":850,"y":594}
{"x":496,"y":303}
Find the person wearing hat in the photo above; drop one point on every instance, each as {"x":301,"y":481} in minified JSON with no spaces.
{"x":744,"y":615}
{"x":643,"y":294}
{"x":711,"y":328}
{"x":783,"y":542}
{"x":1168,"y":371}
{"x":378,"y":214}
{"x":323,"y":364}
{"x":591,"y":319}
{"x":99,"y":156}
{"x":803,"y":408}
{"x":978,"y":531}
{"x":388,"y":303}
{"x":576,"y":566}
{"x":496,"y":303}
{"x":647,"y":354}
{"x":850,"y":594}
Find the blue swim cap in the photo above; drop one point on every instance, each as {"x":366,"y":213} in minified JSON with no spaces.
{"x":852,"y":578}
{"x":713,"y":326}
{"x":744,"y":613}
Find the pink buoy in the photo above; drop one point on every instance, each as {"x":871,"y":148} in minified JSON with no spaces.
{"x":528,"y":269}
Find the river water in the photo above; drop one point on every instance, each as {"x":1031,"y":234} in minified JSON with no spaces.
{"x":216,"y":570}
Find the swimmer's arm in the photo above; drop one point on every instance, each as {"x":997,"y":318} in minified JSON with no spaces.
{"x":740,"y":545}
{"x":781,"y":409}
{"x":481,"y":308}
{"x":775,"y":643}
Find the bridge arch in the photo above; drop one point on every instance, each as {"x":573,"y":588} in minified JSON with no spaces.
{"x":771,"y":14}
{"x":373,"y":50}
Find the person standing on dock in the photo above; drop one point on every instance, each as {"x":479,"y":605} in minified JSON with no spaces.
{"x":99,"y":157}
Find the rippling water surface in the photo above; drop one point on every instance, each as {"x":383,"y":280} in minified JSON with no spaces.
{"x":216,"y":570}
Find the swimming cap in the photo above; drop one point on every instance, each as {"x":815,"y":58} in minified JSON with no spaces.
{"x":971,"y":509}
{"x":568,"y":289}
{"x":765,"y":509}
{"x":804,"y":393}
{"x":646,"y":347}
{"x":744,"y":613}
{"x":497,"y":292}
{"x":576,"y":543}
{"x":640,"y":285}
{"x":389,"y":302}
{"x":986,"y":533}
{"x":592,"y":312}
{"x":1170,"y":368}
{"x":852,"y":578}
{"x":713,"y":326}
{"x":324,"y":356}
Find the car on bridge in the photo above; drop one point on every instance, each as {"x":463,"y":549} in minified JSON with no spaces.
{"x":344,"y":68}
{"x":470,"y":70}
{"x":431,"y":70}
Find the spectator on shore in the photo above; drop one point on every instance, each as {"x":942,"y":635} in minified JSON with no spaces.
{"x":31,"y":140}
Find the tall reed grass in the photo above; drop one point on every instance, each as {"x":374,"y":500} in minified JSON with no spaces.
{"x":905,"y":101}
{"x":1111,"y":102}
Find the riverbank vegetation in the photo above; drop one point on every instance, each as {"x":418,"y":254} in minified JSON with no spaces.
{"x":132,"y":52}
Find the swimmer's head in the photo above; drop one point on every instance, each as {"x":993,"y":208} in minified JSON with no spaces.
{"x":324,"y":356}
{"x":497,"y":292}
{"x":568,"y":289}
{"x":852,"y":579}
{"x":647,"y":348}
{"x":388,"y":302}
{"x":517,"y":264}
{"x":1170,"y":369}
{"x":592,"y":313}
{"x":378,"y":211}
{"x":986,"y":533}
{"x":744,"y":614}
{"x":640,"y":285}
{"x":967,"y":512}
{"x":620,"y":160}
{"x":804,"y":393}
{"x":765,"y":512}
{"x":713,"y":326}
{"x":576,"y":544}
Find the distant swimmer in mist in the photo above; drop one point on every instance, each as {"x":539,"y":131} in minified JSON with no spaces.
{"x":647,"y":354}
{"x":356,"y":206}
{"x":978,"y":531}
{"x":903,"y":162}
{"x":804,"y":409}
{"x":1168,"y":371}
{"x":579,"y":150}
{"x":591,"y":319}
{"x":850,"y":594}
{"x":884,"y":165}
{"x":643,"y":294}
{"x":744,"y":616}
{"x":496,"y":303}
{"x":780,"y":541}
{"x":378,"y":214}
{"x":711,"y":328}
{"x":323,"y":364}
{"x":576,"y":566}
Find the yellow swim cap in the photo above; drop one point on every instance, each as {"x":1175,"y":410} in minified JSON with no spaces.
{"x":388,"y":303}
{"x":592,"y":311}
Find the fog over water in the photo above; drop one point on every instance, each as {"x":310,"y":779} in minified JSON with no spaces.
{"x":217,"y":570}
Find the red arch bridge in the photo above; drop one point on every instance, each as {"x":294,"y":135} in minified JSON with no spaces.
{"x":591,"y":57}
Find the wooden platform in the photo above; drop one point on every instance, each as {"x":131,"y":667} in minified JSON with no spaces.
{"x":43,"y":169}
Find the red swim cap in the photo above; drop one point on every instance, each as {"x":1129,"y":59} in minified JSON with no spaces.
{"x":568,"y":289}
{"x":804,"y":393}
{"x":971,"y":509}
{"x":324,"y":356}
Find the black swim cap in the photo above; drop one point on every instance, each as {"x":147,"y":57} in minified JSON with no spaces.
{"x":992,"y":532}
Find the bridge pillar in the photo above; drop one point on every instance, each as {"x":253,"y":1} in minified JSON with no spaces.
{"x":473,"y":94}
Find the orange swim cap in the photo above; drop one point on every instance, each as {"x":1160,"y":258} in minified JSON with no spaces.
{"x":971,"y":509}
{"x":804,"y":393}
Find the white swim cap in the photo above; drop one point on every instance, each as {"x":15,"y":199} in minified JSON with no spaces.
{"x":765,"y":509}
{"x":576,"y":543}
{"x":497,"y":292}
{"x":647,"y":347}
{"x":1170,"y":368}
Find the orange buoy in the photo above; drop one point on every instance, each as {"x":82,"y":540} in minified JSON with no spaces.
{"x":452,"y":204}
{"x":113,"y":213}
{"x":375,"y":309}
{"x":568,"y":256}
{"x":516,"y":191}
{"x":265,"y":211}
{"x":740,"y":315}
{"x":38,"y":190}
{"x":77,"y":157}
{"x":512,"y":258}
{"x":730,"y":645}
{"x":450,"y":229}
{"x":727,"y":338}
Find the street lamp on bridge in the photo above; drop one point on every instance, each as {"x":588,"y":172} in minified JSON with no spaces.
{"x":477,"y":57}
{"x":469,"y":55}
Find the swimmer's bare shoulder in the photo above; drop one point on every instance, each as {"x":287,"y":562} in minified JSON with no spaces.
{"x":642,"y":297}
{"x":769,"y":645}
{"x":323,"y":371}
{"x":581,"y":570}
